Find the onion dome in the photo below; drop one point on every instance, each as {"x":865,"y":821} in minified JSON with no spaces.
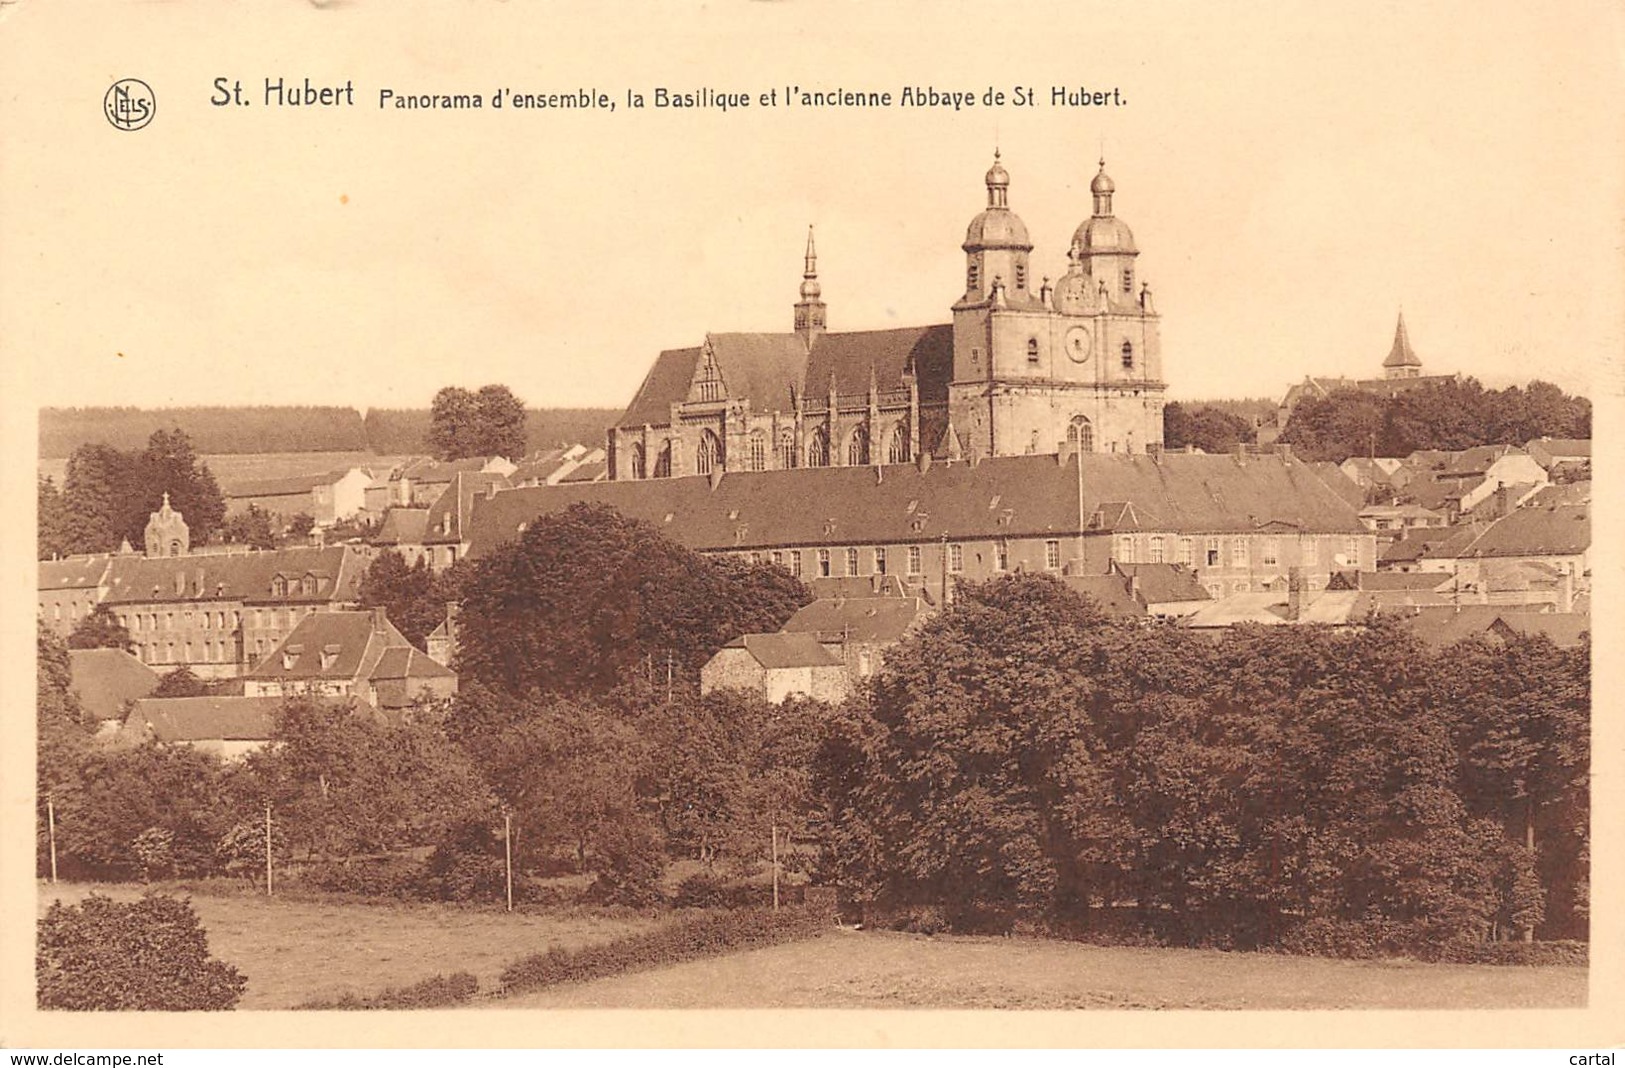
{"x":997,"y":226}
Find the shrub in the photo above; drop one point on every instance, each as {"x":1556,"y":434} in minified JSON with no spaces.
{"x":689,"y":938}
{"x":435,"y":992}
{"x":149,"y":954}
{"x":1517,"y":953}
{"x":387,"y":878}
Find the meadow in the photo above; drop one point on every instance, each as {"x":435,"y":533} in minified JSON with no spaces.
{"x":233,"y":469}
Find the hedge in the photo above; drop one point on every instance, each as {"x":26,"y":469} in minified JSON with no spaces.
{"x":436,"y":992}
{"x":691,"y":938}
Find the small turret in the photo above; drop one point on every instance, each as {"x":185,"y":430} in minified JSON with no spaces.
{"x":810,"y":308}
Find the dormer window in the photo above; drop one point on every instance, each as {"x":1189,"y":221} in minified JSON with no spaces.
{"x":279,"y":586}
{"x":1128,"y":356}
{"x":330,"y":656}
{"x":308,"y":585}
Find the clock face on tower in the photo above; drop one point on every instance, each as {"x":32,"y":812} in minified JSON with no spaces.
{"x":1078,"y":344}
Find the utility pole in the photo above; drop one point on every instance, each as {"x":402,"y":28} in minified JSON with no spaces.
{"x":268,"y":888}
{"x":775,"y":867}
{"x":50,"y":820}
{"x":507,"y":852}
{"x":668,"y":678}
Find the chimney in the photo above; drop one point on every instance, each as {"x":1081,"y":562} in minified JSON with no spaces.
{"x":1297,"y":587}
{"x":1565,"y":591}
{"x":1503,"y":500}
{"x":380,"y":621}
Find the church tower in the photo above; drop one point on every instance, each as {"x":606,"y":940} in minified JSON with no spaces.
{"x":167,"y":533}
{"x":1402,"y":361}
{"x":1075,"y":365}
{"x":810,"y":308}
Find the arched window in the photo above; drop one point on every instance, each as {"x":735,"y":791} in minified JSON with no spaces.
{"x":897,"y":449}
{"x":1021,"y":275}
{"x":174,"y":547}
{"x":639,"y":461}
{"x":663,"y":462}
{"x":1032,"y":350}
{"x":970,"y":276}
{"x":818,"y":448}
{"x":1080,"y":433}
{"x":1128,"y":279}
{"x":857,"y":447}
{"x":708,"y":457}
{"x":758,"y":451}
{"x":785,"y":455}
{"x":1128,"y":356}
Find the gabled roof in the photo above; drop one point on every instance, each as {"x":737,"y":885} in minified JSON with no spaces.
{"x":1332,"y":607}
{"x":1549,"y":451}
{"x":785,"y":650}
{"x":74,"y":573}
{"x":1427,"y":581}
{"x":868,"y":620}
{"x":402,"y":526}
{"x":202,"y":719}
{"x":1565,"y":629}
{"x":592,"y":471}
{"x":766,"y":369}
{"x":438,"y":471}
{"x":1561,"y":493}
{"x":1030,"y":496}
{"x":666,"y":384}
{"x":355,"y":641}
{"x":1561,"y":530}
{"x":1339,"y":482}
{"x":884,"y":357}
{"x":106,"y":678}
{"x":1165,"y":583}
{"x":448,"y":515}
{"x":408,"y":663}
{"x":1109,"y":591}
{"x":244,"y":576}
{"x":1445,"y":625}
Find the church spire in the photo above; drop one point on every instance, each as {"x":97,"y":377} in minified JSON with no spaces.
{"x":809,"y":318}
{"x":1402,"y":361}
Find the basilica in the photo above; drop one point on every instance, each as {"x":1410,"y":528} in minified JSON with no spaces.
{"x":1023,"y":368}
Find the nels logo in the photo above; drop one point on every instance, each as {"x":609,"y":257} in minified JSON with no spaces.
{"x":129,"y":104}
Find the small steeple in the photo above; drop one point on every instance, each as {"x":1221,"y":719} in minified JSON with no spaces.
{"x":810,"y":309}
{"x":1102,"y":188}
{"x":1402,"y":361}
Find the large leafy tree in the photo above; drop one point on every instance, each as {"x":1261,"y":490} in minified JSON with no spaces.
{"x":101,"y":630}
{"x":94,"y":491}
{"x":586,"y":598}
{"x":252,"y":527}
{"x":413,"y":597}
{"x":1205,"y":427}
{"x":489,"y":422}
{"x":54,"y":540}
{"x":169,"y":465}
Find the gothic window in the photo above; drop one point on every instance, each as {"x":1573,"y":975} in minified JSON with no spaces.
{"x":857,"y":447}
{"x":1128,"y":279}
{"x":758,"y":451}
{"x":639,"y":461}
{"x":818,"y":448}
{"x":1080,"y":433}
{"x":708,"y":457}
{"x":663,"y":462}
{"x":785,"y":455}
{"x":1128,"y":356}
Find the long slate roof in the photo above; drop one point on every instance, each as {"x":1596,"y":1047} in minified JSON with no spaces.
{"x":1018,"y":496}
{"x":785,"y":650}
{"x":74,"y":573}
{"x":859,"y":619}
{"x":197,"y":719}
{"x":238,"y":576}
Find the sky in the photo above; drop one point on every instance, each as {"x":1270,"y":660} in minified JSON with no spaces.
{"x":1294,"y":179}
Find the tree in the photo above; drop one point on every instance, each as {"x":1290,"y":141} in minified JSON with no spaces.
{"x":181,"y":682}
{"x":61,"y":736}
{"x":300,"y":526}
{"x":53,"y":532}
{"x":413,"y":597}
{"x":251,"y":527}
{"x":150,"y":954}
{"x":101,"y":630}
{"x":490,"y":422}
{"x":1213,"y":430}
{"x":93,"y":507}
{"x":587,"y":598}
{"x":169,"y":465}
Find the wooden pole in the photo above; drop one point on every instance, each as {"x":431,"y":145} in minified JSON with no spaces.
{"x":50,"y":820}
{"x":775,"y":867}
{"x":507,"y":853}
{"x":268,"y":886}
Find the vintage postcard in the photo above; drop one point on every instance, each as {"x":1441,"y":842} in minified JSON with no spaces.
{"x":811,"y":524}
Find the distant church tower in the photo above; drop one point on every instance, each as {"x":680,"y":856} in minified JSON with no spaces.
{"x":1402,"y":361}
{"x":1076,"y":365}
{"x":167,"y":533}
{"x":810,"y":308}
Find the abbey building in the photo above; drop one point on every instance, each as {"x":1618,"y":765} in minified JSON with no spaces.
{"x":1026,"y":366}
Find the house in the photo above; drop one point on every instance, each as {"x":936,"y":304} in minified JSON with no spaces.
{"x":1236,"y":522}
{"x":1455,"y":483}
{"x":446,"y":526}
{"x":405,"y":530}
{"x":327,"y":497}
{"x":859,"y":630}
{"x":776,"y":667}
{"x":1390,"y":519}
{"x":419,"y":483}
{"x":1553,"y":453}
{"x":1142,"y":591}
{"x":1442,"y":626}
{"x":229,"y":727}
{"x":1376,"y":472}
{"x":575,"y":463}
{"x":107,"y":681}
{"x":1497,"y":557}
{"x":350,"y":654}
{"x":70,"y":590}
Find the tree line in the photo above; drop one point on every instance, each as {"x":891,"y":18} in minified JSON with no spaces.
{"x":1451,"y":415}
{"x":1020,"y":760}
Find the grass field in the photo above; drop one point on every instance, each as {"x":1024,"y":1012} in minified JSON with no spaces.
{"x":848,"y":969}
{"x":231,"y":469}
{"x":292,"y":951}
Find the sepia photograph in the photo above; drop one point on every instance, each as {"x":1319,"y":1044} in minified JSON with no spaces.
{"x":906,"y":525}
